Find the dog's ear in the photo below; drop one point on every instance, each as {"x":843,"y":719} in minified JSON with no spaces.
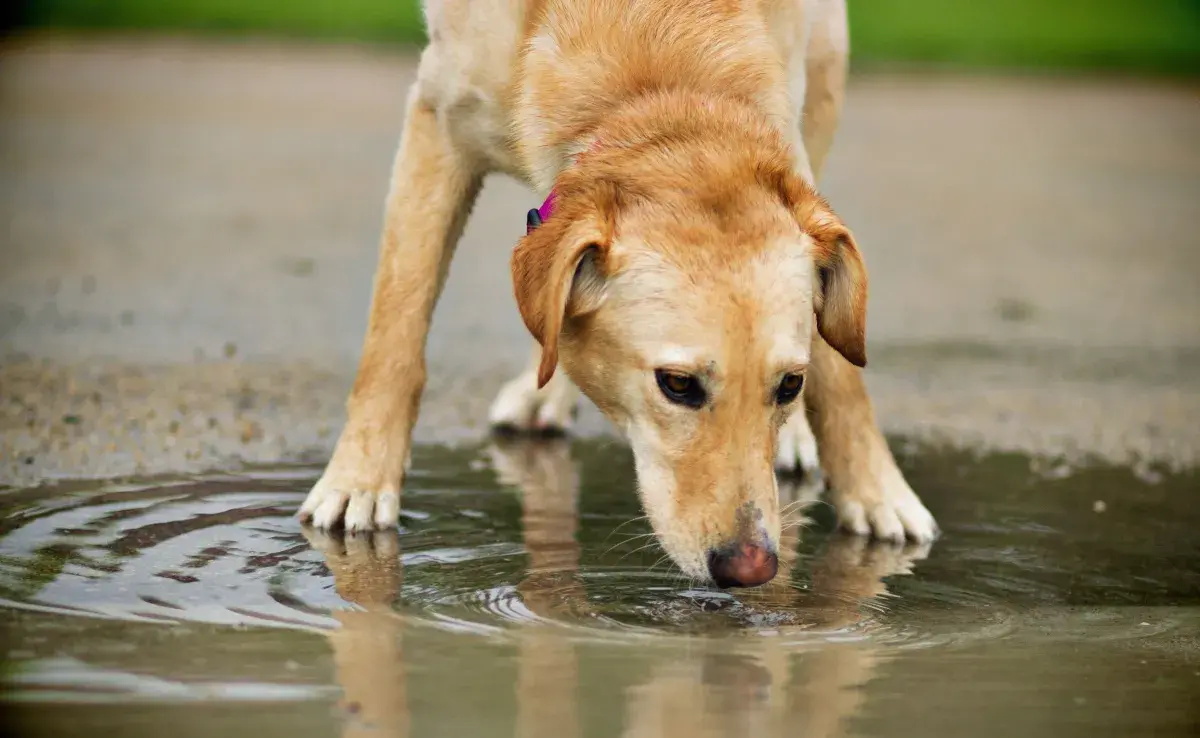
{"x":558,"y":272}
{"x":841,"y":298}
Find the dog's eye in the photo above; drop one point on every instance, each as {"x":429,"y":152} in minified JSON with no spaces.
{"x":789,"y":388}
{"x":679,"y":388}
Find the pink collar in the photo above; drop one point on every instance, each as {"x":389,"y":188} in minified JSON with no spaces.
{"x":536,"y":216}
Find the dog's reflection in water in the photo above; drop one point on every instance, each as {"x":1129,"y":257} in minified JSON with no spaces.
{"x":710,"y":689}
{"x":368,"y":647}
{"x":762,"y":689}
{"x":548,"y":664}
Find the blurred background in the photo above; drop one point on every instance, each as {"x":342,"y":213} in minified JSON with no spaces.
{"x":192,"y":191}
{"x":1160,"y":36}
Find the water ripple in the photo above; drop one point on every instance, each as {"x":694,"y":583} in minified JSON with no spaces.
{"x":225,"y":550}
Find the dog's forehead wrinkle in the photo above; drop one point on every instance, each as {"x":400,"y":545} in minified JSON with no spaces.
{"x":676,"y":355}
{"x":684,"y":219}
{"x":695,"y":277}
{"x":719,"y":328}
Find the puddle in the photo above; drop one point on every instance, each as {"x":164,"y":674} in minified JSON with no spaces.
{"x":522,"y":596}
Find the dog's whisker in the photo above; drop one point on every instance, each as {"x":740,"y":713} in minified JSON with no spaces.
{"x":798,"y":507}
{"x":793,"y":505}
{"x":665,"y":558}
{"x":639,"y":548}
{"x":622,"y":525}
{"x":627,"y":540}
{"x":825,"y":503}
{"x":803,"y":523}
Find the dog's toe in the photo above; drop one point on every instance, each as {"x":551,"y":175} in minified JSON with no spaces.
{"x":918,"y":523}
{"x":387,"y":510}
{"x":889,"y":511}
{"x":885,"y":524}
{"x":515,"y":404}
{"x":324,"y":506}
{"x":520,"y":407}
{"x":330,"y":506}
{"x":852,"y":518}
{"x":360,"y":512}
{"x":554,"y":416}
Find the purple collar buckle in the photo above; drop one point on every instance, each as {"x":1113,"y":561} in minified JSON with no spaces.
{"x":537,"y":216}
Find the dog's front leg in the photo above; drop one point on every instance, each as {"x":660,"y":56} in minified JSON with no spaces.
{"x":867,"y":488}
{"x":520,"y":406}
{"x":797,"y":450}
{"x":432,"y":190}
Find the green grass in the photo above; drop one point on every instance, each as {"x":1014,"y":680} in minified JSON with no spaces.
{"x":365,"y":20}
{"x":1151,"y":36}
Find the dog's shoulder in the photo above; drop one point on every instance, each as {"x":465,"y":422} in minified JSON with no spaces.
{"x":466,"y":71}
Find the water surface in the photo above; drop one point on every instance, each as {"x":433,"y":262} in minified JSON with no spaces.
{"x":522,"y":596}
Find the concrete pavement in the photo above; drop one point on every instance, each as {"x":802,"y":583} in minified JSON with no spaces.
{"x":191,"y":231}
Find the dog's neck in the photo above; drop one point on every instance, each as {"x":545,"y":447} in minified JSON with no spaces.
{"x":539,"y":214}
{"x":582,"y":63}
{"x":673,"y":127}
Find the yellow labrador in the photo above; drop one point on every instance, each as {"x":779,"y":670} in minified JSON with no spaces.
{"x":683,"y":272}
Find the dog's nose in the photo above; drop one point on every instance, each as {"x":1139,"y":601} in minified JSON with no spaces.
{"x":742,"y":565}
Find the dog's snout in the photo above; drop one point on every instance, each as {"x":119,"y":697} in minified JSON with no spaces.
{"x":742,"y":565}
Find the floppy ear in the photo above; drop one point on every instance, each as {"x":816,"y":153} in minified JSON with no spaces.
{"x":558,"y":268}
{"x":841,"y":304}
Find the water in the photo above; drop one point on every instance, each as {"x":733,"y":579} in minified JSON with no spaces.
{"x":523,"y":597}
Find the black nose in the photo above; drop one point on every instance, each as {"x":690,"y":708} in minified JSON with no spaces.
{"x":742,"y":565}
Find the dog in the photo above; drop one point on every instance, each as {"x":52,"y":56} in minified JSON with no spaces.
{"x":682,"y":272}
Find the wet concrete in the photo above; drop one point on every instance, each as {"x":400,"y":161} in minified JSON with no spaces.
{"x":190,"y":233}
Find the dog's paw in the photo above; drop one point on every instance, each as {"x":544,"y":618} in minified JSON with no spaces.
{"x":885,"y":508}
{"x":797,"y":452}
{"x":521,"y":407}
{"x":331,"y":505}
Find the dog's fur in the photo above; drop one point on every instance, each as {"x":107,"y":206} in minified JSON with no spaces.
{"x":681,"y":139}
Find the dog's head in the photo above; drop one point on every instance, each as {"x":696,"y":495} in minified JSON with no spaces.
{"x":684,"y":305}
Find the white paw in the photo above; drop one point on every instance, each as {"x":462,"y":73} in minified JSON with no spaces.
{"x":890,"y":512}
{"x":330,"y":505}
{"x":521,"y":406}
{"x":797,"y":446}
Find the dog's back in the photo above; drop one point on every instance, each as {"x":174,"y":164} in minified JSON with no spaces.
{"x":581,"y":57}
